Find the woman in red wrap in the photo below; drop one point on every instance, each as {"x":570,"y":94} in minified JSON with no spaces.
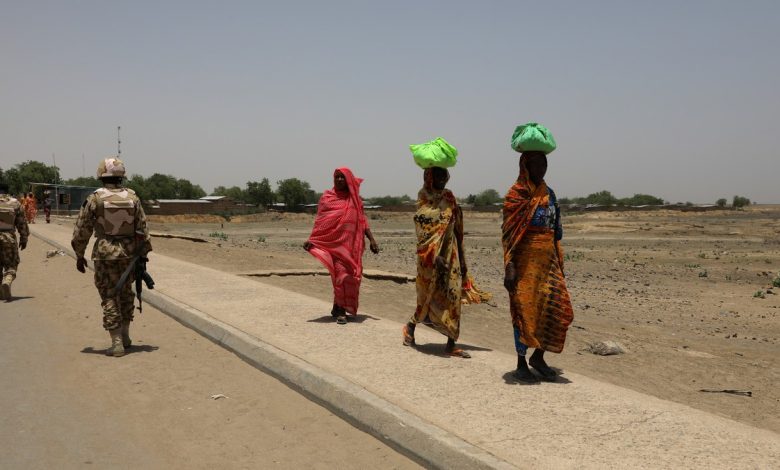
{"x":337,"y":240}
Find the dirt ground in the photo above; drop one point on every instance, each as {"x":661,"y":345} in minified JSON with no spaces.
{"x":687,"y":294}
{"x":66,"y":405}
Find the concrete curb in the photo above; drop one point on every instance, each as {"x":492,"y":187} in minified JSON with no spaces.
{"x":428,"y":444}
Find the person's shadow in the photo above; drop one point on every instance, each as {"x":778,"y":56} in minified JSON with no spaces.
{"x":509,"y":378}
{"x":21,"y":297}
{"x":359,"y":318}
{"x":437,"y":349}
{"x":132,"y":349}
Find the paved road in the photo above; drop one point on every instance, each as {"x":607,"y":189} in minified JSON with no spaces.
{"x":66,"y":405}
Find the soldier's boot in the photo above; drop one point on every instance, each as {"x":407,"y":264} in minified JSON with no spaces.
{"x":5,"y":290}
{"x":116,"y":349}
{"x":126,"y":341}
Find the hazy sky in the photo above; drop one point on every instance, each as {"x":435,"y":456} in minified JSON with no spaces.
{"x":679,"y":99}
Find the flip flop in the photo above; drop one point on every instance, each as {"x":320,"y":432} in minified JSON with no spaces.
{"x":457,"y":352}
{"x":408,"y":339}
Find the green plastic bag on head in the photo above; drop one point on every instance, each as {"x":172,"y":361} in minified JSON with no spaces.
{"x":533,"y":137}
{"x":437,"y":152}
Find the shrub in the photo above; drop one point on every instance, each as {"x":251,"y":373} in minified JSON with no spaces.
{"x":740,"y":201}
{"x":221,"y":235}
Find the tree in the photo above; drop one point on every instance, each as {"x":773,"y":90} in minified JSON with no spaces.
{"x":233,"y":192}
{"x":721,"y":202}
{"x":641,"y":200}
{"x":740,"y":201}
{"x":385,"y":201}
{"x":487,"y":197}
{"x":294,"y":193}
{"x":20,"y":176}
{"x":87,"y":181}
{"x":601,"y":198}
{"x":186,"y":190}
{"x":138,"y":184}
{"x":260,"y":193}
{"x":159,"y":186}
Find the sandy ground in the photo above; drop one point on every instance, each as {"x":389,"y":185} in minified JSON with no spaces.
{"x":675,"y":289}
{"x":66,"y":405}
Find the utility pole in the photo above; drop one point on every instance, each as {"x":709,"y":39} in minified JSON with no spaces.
{"x":56,"y":188}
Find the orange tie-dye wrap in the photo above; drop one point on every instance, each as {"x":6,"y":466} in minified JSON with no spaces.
{"x":540,"y":304}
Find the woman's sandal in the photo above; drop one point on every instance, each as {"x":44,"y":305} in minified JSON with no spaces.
{"x":408,"y":338}
{"x":341,"y":319}
{"x":457,"y":352}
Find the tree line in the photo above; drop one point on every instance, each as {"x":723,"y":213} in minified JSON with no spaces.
{"x":292,"y":192}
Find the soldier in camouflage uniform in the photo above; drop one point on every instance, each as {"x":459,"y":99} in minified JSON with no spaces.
{"x":11,"y":220}
{"x":116,"y":217}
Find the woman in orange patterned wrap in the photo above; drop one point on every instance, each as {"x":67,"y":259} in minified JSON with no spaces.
{"x":443,"y":283}
{"x":533,"y":258}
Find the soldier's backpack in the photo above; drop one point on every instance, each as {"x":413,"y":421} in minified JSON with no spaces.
{"x":8,"y":208}
{"x":116,"y":212}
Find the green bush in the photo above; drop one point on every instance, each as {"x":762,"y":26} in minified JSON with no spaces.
{"x":740,"y":201}
{"x":721,"y":202}
{"x":221,"y":235}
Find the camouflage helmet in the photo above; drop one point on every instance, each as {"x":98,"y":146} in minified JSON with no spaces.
{"x":111,"y":167}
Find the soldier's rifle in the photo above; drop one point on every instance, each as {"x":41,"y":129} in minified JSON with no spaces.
{"x":138,"y":267}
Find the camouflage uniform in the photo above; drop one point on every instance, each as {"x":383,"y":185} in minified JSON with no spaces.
{"x":11,"y":220}
{"x":112,"y":253}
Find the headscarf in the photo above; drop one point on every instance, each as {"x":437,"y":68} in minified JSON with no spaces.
{"x":520,"y":204}
{"x":340,"y":225}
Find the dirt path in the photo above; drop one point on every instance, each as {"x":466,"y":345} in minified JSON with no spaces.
{"x":66,"y":405}
{"x":676,"y":289}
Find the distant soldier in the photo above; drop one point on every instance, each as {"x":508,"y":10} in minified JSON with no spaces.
{"x":115,"y":215}
{"x":11,"y":220}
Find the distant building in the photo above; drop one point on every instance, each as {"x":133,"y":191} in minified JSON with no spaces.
{"x":65,"y":199}
{"x":204,"y":205}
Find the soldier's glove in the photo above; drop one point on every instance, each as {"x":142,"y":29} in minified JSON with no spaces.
{"x":23,"y":245}
{"x":81,"y":264}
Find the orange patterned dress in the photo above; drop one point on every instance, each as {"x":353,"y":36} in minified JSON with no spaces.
{"x":30,"y":209}
{"x":540,"y":305}
{"x":441,"y":293}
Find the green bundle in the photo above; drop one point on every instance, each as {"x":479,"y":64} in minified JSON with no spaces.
{"x":437,"y":152}
{"x":533,"y":137}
